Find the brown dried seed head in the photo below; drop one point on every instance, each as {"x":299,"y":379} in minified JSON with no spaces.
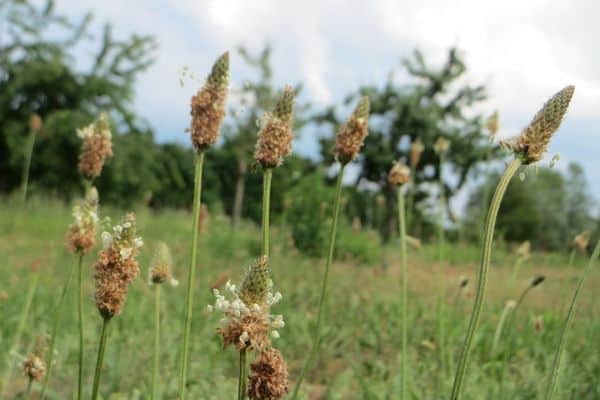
{"x":248,"y":332}
{"x":537,"y":280}
{"x":581,"y":241}
{"x":533,"y":141}
{"x":34,"y":367}
{"x":161,"y":269}
{"x":117,"y":267}
{"x":352,"y":134}
{"x":416,"y":149}
{"x":208,"y":106}
{"x":81,"y":236}
{"x":275,"y":137}
{"x":269,"y":376}
{"x":96,"y":147}
{"x":35,"y":123}
{"x":399,"y":174}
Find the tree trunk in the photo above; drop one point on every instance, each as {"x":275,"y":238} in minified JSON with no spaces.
{"x":238,"y":200}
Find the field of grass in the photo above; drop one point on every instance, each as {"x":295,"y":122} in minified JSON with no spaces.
{"x":359,"y":356}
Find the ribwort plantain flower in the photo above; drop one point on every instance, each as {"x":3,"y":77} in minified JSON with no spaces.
{"x":581,"y":241}
{"x":441,"y":146}
{"x":34,"y":367}
{"x":117,"y":266}
{"x":269,"y":377}
{"x":533,"y":141}
{"x":81,"y":236}
{"x":96,"y":147}
{"x":492,"y":124}
{"x":399,"y":174}
{"x":35,"y":124}
{"x":247,"y":322}
{"x":208,"y":106}
{"x":161,"y":268}
{"x":352,"y":134}
{"x":416,"y":150}
{"x":275,"y":137}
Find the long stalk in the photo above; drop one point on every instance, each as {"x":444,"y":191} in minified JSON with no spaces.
{"x":242,"y":376}
{"x":402,"y":223}
{"x":188,"y":305}
{"x":80,"y":320}
{"x":27,"y":165}
{"x":20,"y":328}
{"x":332,"y":235}
{"x":572,"y":257}
{"x":483,"y":272}
{"x":56,"y":322}
{"x":100,"y":358}
{"x":441,"y":238}
{"x":266,"y":205}
{"x":156,"y":341}
{"x":568,"y":321}
{"x":500,"y":327}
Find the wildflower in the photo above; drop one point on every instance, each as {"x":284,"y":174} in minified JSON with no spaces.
{"x":208,"y":106}
{"x":81,"y":236}
{"x":34,"y":367}
{"x":161,"y":266}
{"x":538,"y":323}
{"x":533,"y":141}
{"x":117,"y":267}
{"x":537,"y":281}
{"x":352,"y":134}
{"x":441,"y":146}
{"x":247,"y":320}
{"x":524,"y":250}
{"x":492,"y":124}
{"x":269,"y":377}
{"x":35,"y":124}
{"x":399,"y":174}
{"x":96,"y":147}
{"x":414,"y":242}
{"x":510,"y":304}
{"x":275,"y":137}
{"x":416,"y":149}
{"x":581,"y":241}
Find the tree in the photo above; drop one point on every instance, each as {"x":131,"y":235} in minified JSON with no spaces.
{"x":37,"y":75}
{"x":434,"y":103}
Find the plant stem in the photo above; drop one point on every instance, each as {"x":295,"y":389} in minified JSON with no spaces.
{"x":401,"y":220}
{"x":20,"y":328}
{"x":27,"y":165}
{"x":100,"y":359}
{"x":156,"y":341}
{"x":51,"y":345}
{"x":568,"y":321}
{"x":80,"y":318}
{"x":499,"y":328}
{"x":28,"y":391}
{"x":188,"y":305}
{"x":266,"y":205}
{"x":483,"y":272}
{"x":516,"y":269}
{"x":441,"y":239}
{"x":242,"y":376}
{"x":572,"y":257}
{"x":332,"y":235}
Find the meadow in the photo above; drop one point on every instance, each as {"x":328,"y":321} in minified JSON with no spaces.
{"x":359,"y":354}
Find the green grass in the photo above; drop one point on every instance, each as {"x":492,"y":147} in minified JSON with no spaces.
{"x":359,"y":356}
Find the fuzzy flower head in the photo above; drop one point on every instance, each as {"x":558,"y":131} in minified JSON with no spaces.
{"x":492,"y":124}
{"x":35,"y":124}
{"x":247,"y":322}
{"x":416,"y":149}
{"x":208,"y":105}
{"x":533,"y":141}
{"x":581,"y":241}
{"x":524,"y":250}
{"x":268,"y":379}
{"x":162,"y":266}
{"x":96,"y":147}
{"x":117,"y":266}
{"x":275,"y":137}
{"x":34,"y":367}
{"x":81,"y":236}
{"x":441,"y":146}
{"x":352,"y":134}
{"x":399,"y":174}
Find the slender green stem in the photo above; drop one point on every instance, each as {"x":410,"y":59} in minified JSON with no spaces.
{"x":500,"y":327}
{"x":483,"y":272}
{"x":100,"y":358}
{"x":56,"y":322}
{"x":242,"y":376}
{"x":401,"y":220}
{"x":28,"y":392}
{"x":266,"y":205}
{"x":156,"y":341}
{"x":27,"y":165}
{"x":441,"y":238}
{"x":20,"y":328}
{"x":572,"y":257}
{"x":516,"y":269}
{"x":81,"y":322}
{"x":565,"y":332}
{"x":332,"y":235}
{"x":190,"y":282}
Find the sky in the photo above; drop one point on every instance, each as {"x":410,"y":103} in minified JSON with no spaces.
{"x":522,"y":50}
